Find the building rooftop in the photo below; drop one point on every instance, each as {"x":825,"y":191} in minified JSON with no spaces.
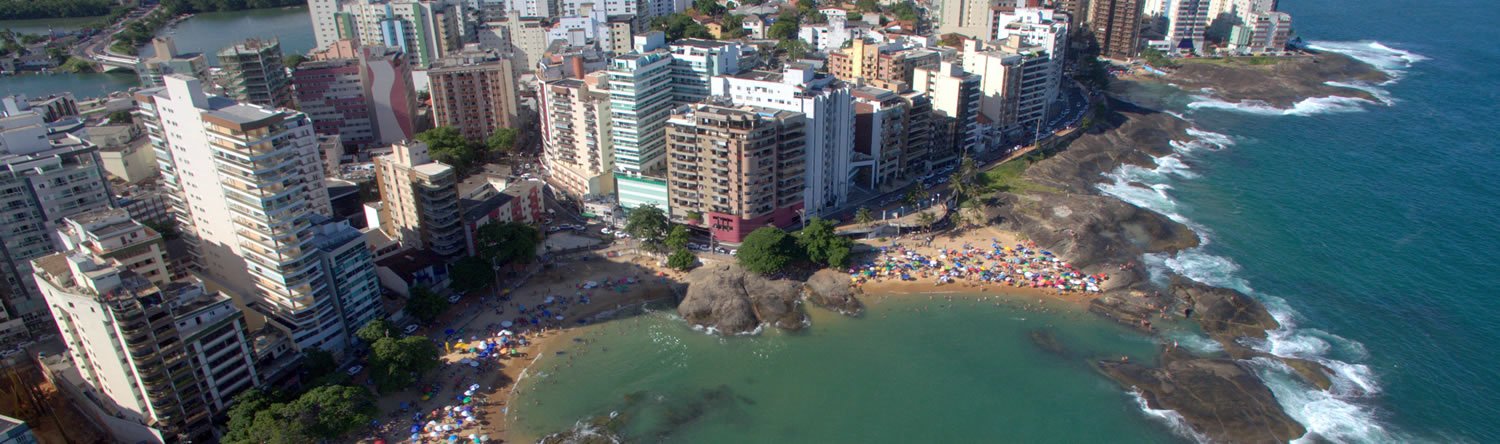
{"x":700,"y":43}
{"x":409,"y":262}
{"x":432,"y":169}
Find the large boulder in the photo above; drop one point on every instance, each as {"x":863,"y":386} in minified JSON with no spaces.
{"x":732,"y":300}
{"x":830,"y":289}
{"x":1224,"y":314}
{"x":1219,"y":398}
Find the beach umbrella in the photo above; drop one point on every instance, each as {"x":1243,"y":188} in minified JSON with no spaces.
{"x":416,"y":428}
{"x":549,"y":300}
{"x":507,"y":324}
{"x":559,"y":317}
{"x":448,"y":331}
{"x":415,"y":437}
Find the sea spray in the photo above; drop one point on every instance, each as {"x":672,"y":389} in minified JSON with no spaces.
{"x":1173,"y":420}
{"x":1393,"y":62}
{"x":1335,"y":414}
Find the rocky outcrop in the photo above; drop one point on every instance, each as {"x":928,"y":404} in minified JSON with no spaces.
{"x":830,"y":289}
{"x":732,"y":300}
{"x":1224,"y":314}
{"x":1219,"y":398}
{"x":1281,"y":84}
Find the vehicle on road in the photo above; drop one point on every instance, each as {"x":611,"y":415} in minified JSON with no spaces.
{"x":412,"y":328}
{"x":354,"y":370}
{"x":454,"y":299}
{"x":606,"y":230}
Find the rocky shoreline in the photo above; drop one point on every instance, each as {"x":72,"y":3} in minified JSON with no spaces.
{"x":1282,"y":84}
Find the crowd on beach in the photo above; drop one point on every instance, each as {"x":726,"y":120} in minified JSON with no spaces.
{"x":1022,"y":265}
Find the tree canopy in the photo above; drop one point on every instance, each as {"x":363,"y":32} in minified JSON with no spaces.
{"x":709,"y":7}
{"x":323,"y":413}
{"x":375,"y":330}
{"x":396,"y":364}
{"x":39,"y":9}
{"x":317,"y":362}
{"x":469,"y":274}
{"x":905,"y":11}
{"x":682,"y":259}
{"x":447,"y":145}
{"x":425,"y":305}
{"x":650,"y":225}
{"x":767,"y":250}
{"x":680,"y":26}
{"x":678,"y":237}
{"x":503,"y":140}
{"x":508,"y":242}
{"x":822,"y":245}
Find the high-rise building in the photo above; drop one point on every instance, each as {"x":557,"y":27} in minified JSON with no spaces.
{"x":424,"y":30}
{"x":15,"y":431}
{"x":363,"y":94}
{"x":38,"y":189}
{"x":829,"y":111}
{"x":163,"y":354}
{"x":1265,"y":32}
{"x":419,"y":199}
{"x":955,"y":98}
{"x":1117,"y":27}
{"x":249,"y":193}
{"x":736,"y":168}
{"x":576,"y":148}
{"x":253,"y":73}
{"x":640,"y":91}
{"x":1187,"y":22}
{"x":331,"y":94}
{"x":694,"y":61}
{"x":1077,"y":11}
{"x":886,"y":66}
{"x":166,"y":60}
{"x":474,"y":91}
{"x":970,"y":18}
{"x":883,"y":133}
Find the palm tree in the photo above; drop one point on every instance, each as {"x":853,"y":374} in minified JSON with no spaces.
{"x":958,"y":218}
{"x":976,"y":208}
{"x":916,"y":196}
{"x":863,"y":216}
{"x":926,"y":220}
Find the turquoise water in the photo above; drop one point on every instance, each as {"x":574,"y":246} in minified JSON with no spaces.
{"x":1371,"y":228}
{"x":961,"y":371}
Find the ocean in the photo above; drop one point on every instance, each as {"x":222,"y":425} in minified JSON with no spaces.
{"x":1370,"y":229}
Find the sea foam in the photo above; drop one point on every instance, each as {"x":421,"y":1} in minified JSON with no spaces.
{"x":1337,"y":414}
{"x":1173,"y":420}
{"x":1393,"y":62}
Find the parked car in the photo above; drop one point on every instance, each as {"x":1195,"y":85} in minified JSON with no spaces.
{"x":606,"y":230}
{"x":454,"y":299}
{"x":354,"y":370}
{"x":412,"y":328}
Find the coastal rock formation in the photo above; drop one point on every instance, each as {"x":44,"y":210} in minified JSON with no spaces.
{"x":731,"y":300}
{"x":1219,"y":398}
{"x":1224,"y":314}
{"x":1281,"y":84}
{"x":830,"y":289}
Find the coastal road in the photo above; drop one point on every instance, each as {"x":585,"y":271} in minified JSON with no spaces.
{"x":98,"y":44}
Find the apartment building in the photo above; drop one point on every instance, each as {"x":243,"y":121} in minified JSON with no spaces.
{"x":248,"y":193}
{"x":955,"y":96}
{"x":1264,"y":33}
{"x":736,"y":168}
{"x":694,"y":61}
{"x":1187,"y":23}
{"x":885,"y":125}
{"x":1117,"y":27}
{"x":419,"y":199}
{"x":331,"y":94}
{"x":253,"y":73}
{"x":165,"y":355}
{"x":829,"y":111}
{"x":886,"y":66}
{"x":474,"y":91}
{"x":39,"y":187}
{"x":576,"y":143}
{"x":424,"y":30}
{"x":364,"y":94}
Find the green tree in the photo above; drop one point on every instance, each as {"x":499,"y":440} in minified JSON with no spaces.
{"x":824,"y":246}
{"x":375,"y":330}
{"x":329,"y":412}
{"x":952,"y":40}
{"x":975,"y":209}
{"x":317,"y":362}
{"x":425,"y":305}
{"x":905,"y":11}
{"x":242,"y":413}
{"x":915,"y":196}
{"x":121,"y":117}
{"x":784,"y":29}
{"x":508,"y":242}
{"x":867,"y":5}
{"x":449,"y":146}
{"x":681,"y":259}
{"x":926,"y":219}
{"x":733,"y":26}
{"x":680,"y":26}
{"x":804,"y":6}
{"x":767,"y":250}
{"x":710,"y":7}
{"x":678,"y":238}
{"x":963,"y":181}
{"x":502,"y":141}
{"x":649,"y":224}
{"x":469,"y":274}
{"x":396,"y":364}
{"x":864,"y":216}
{"x":793,"y":48}
{"x":1156,"y":58}
{"x":292,"y":60}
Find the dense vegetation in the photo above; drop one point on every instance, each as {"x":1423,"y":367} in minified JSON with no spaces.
{"x":41,"y":9}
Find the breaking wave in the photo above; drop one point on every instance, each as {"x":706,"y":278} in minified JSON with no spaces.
{"x":1393,"y":62}
{"x":1306,"y":107}
{"x":1336,"y":414}
{"x":1172,"y":419}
